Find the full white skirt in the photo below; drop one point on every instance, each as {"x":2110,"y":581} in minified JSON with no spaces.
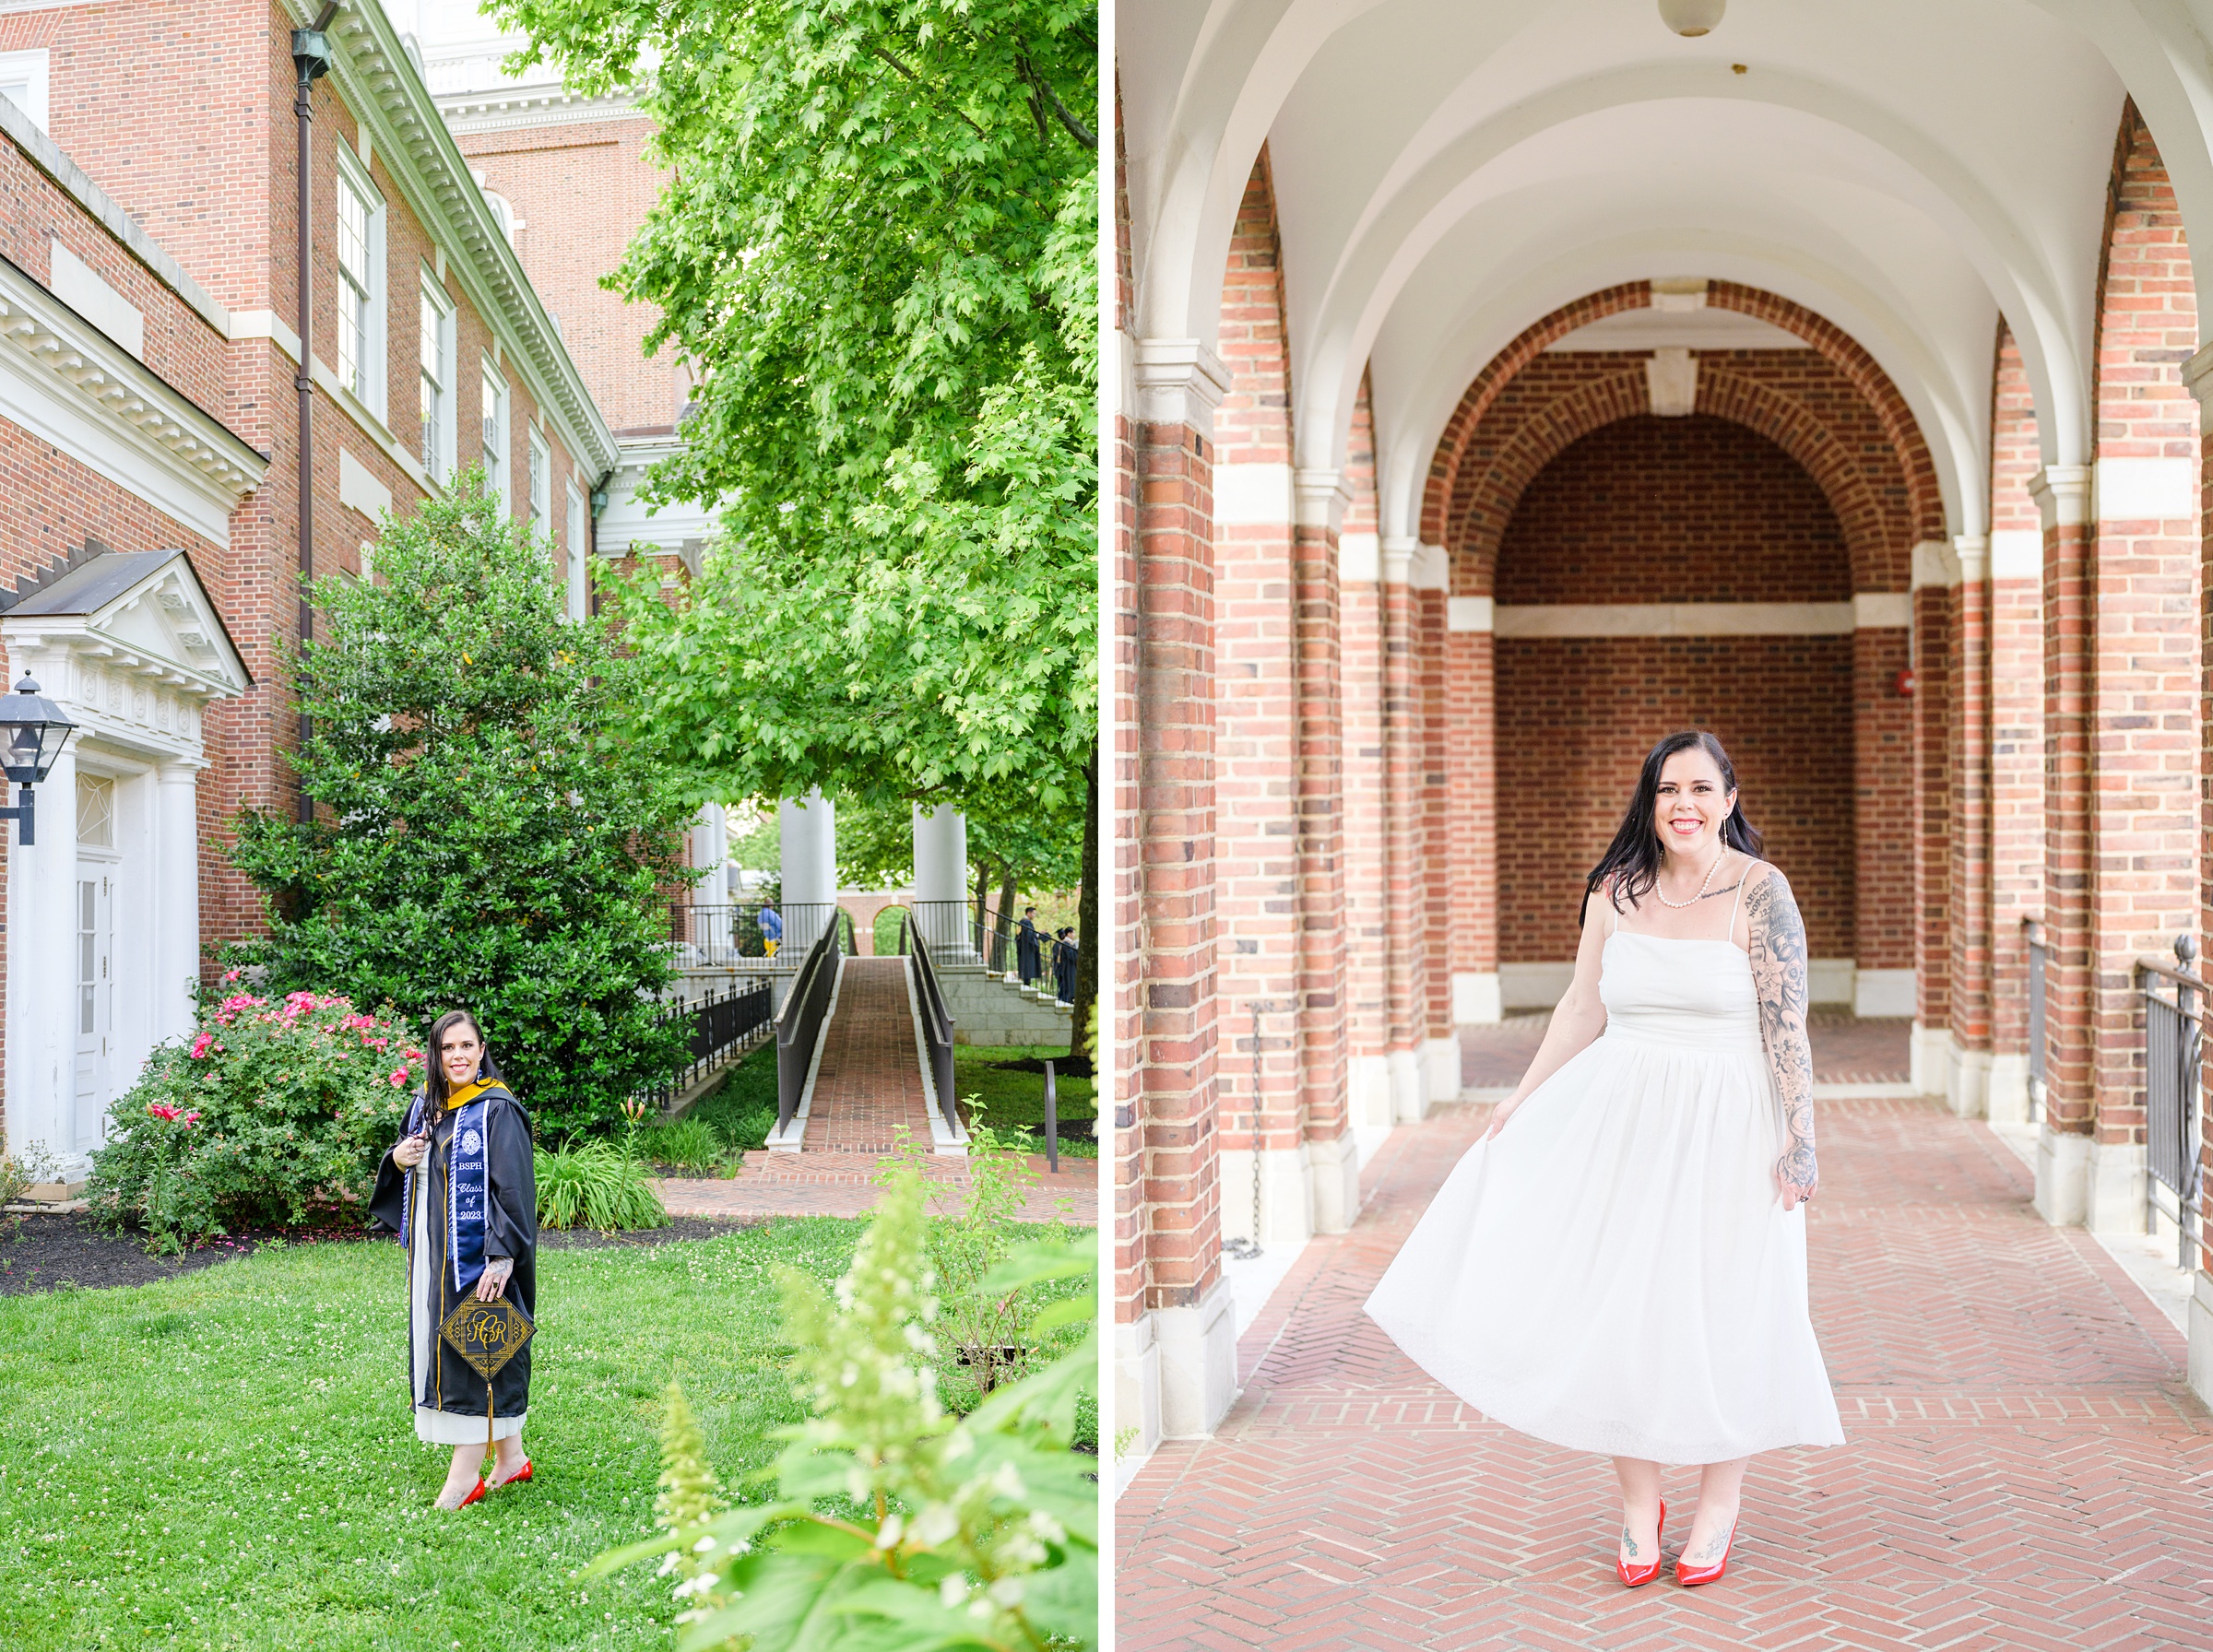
{"x":1614,"y":1271}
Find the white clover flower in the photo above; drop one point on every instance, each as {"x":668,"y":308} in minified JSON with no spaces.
{"x":1006,"y":1592}
{"x":887,"y":1535}
{"x":703,"y":1545}
{"x":1045,"y":1526}
{"x":953,"y":1592}
{"x":935,"y":1524}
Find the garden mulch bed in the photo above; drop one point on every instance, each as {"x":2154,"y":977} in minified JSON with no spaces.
{"x":51,"y":1253}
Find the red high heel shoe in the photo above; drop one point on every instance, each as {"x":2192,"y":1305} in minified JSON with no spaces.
{"x":1691,"y":1576}
{"x":522,"y":1474}
{"x":475,"y":1496}
{"x":1644,"y":1575}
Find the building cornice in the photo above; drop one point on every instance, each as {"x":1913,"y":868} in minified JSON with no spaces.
{"x":509,"y":109}
{"x":380,"y":86}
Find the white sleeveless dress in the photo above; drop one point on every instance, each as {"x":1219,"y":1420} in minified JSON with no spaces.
{"x":1614,"y":1271}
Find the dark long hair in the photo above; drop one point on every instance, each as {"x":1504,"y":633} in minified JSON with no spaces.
{"x":486,"y":1066}
{"x":1630,"y":866}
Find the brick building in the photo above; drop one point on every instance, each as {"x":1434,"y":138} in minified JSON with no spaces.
{"x":150,"y":350}
{"x":1490,"y":404}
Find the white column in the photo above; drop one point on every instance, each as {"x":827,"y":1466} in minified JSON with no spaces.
{"x":41,"y":973}
{"x":941,"y":875}
{"x":807,"y":829}
{"x":173,"y":881}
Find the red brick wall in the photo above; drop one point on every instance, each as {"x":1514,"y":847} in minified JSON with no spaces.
{"x":2016,"y":705}
{"x":1120,"y":970}
{"x":1673,"y":510}
{"x":1362,"y":622}
{"x":1576,"y":717}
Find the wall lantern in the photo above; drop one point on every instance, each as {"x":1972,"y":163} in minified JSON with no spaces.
{"x":1691,"y":18}
{"x":32,"y":733}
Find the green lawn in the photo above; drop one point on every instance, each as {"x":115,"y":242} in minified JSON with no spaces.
{"x":225,"y":1459}
{"x":742,"y":1108}
{"x":1016,"y":1099}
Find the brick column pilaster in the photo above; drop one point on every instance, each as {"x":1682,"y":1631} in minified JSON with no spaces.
{"x":1882,"y":761}
{"x":1367,"y":940}
{"x":1406,"y":967}
{"x":2062,"y":495}
{"x":1333,"y":1169}
{"x":2197,"y":373}
{"x":1441,"y":1047}
{"x":1472,"y":789}
{"x":1934,"y":585}
{"x":1178,"y":383}
{"x":1969,"y":738}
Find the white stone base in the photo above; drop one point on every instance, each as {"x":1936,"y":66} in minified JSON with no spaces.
{"x":1440,"y":1070}
{"x":1286,"y":1199}
{"x":1885,"y":993}
{"x":1333,"y":1180}
{"x":2113,"y":1187}
{"x":1198,"y":1350}
{"x":1409,"y":1102}
{"x":2062,"y":1175}
{"x":1828,"y":980}
{"x":2201,"y":1335}
{"x":1967,"y":1091}
{"x":1476,"y":1001}
{"x":1368,"y":1085}
{"x":1929,"y":1060}
{"x":2005,"y":1102}
{"x":1136,"y":1397}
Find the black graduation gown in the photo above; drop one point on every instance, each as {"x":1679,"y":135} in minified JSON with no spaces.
{"x":511,"y":1230}
{"x":1026,"y":951}
{"x":1064,"y":973}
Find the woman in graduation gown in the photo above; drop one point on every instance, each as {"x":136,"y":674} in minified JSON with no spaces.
{"x":460,"y":1190}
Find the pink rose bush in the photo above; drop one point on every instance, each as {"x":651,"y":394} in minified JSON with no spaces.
{"x":271,"y":1109}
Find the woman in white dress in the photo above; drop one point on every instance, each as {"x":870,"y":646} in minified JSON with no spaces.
{"x":1619,"y":1265}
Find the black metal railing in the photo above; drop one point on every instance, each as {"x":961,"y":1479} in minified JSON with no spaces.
{"x":2175,"y":1011}
{"x":937,"y":1024}
{"x":800,"y":1026}
{"x":755,"y":935}
{"x":715,"y":1029}
{"x":958,"y":935}
{"x":2039,"y":962}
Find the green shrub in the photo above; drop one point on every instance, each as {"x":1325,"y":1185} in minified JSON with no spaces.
{"x":486,"y":836}
{"x":895,"y":1523}
{"x":271,"y":1108}
{"x":688,"y":1144}
{"x":592,"y":1184}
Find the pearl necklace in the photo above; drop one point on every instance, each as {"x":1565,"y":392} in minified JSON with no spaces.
{"x":1710,"y":870}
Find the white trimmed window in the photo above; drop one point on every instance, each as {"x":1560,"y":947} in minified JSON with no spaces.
{"x":542,"y":486}
{"x":435,"y":392}
{"x":492,"y":403}
{"x":361,"y":283}
{"x":23,"y":82}
{"x":579,"y":589}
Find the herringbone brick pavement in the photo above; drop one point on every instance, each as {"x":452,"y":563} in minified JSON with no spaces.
{"x":869,"y":1082}
{"x":1846,"y":1049}
{"x":2025,"y":1469}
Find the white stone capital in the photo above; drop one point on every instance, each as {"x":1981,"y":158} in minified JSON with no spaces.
{"x":1471,"y":614}
{"x":2197,"y":374}
{"x":2062,"y":494}
{"x":1429,"y":569}
{"x":1397,"y":551}
{"x":1179,"y":381}
{"x":1933,"y":564}
{"x":1972,"y":553}
{"x":1359,"y":559}
{"x":1320,"y":495}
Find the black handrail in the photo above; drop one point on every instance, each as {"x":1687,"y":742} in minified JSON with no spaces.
{"x":800,"y":1026}
{"x":713,"y":1027}
{"x":2173,"y":1045}
{"x":937,"y":1027}
{"x":2039,"y":960}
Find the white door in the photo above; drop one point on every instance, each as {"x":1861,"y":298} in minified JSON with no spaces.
{"x":95,"y":999}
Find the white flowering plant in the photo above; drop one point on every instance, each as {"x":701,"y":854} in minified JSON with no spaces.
{"x":895,"y":1526}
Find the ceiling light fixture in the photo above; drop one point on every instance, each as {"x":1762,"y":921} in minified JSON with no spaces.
{"x":1691,"y":18}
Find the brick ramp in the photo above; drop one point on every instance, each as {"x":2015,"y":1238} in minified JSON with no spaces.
{"x":2025,"y":1467}
{"x":832,"y":1184}
{"x":869,"y":1084}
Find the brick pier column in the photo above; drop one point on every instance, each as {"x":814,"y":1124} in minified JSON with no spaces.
{"x":1968,"y":761}
{"x":1360,"y":620}
{"x":1882,"y":761}
{"x":1183,"y":1330}
{"x":1472,"y":788}
{"x":2197,"y":373}
{"x":1935,"y":586}
{"x":1406,"y":965}
{"x":1428,"y":578}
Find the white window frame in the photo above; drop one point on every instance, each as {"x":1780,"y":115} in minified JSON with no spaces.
{"x":578,"y":582}
{"x":495,"y":439}
{"x":540,"y":479}
{"x":30,"y":70}
{"x":439,"y":460}
{"x":366,"y":298}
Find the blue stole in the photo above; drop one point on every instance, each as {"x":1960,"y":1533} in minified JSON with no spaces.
{"x":467,"y":1188}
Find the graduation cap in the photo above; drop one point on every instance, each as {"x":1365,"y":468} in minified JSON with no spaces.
{"x":488,"y":1334}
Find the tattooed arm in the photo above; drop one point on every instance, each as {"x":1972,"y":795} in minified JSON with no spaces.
{"x":1777,"y":938}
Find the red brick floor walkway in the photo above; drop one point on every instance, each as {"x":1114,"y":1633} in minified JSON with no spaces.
{"x":870,"y":1080}
{"x":1846,"y":1050}
{"x":832,"y":1184}
{"x":2026,"y":1468}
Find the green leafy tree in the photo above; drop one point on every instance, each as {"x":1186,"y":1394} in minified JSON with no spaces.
{"x":484,"y":836}
{"x":878,"y":246}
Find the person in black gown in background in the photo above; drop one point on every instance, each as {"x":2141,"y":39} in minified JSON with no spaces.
{"x":460,"y":1189}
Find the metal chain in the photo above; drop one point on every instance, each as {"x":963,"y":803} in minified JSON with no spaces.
{"x":1245,"y":1250}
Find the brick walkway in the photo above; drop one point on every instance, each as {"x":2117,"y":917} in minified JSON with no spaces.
{"x":2026,"y":1468}
{"x":870,"y":1079}
{"x":830,"y":1183}
{"x":1846,"y":1050}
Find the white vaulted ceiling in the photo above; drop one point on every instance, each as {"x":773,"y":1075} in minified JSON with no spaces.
{"x":1448,"y":172}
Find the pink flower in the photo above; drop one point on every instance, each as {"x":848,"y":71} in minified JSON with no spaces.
{"x":234,"y":975}
{"x":163,"y":1110}
{"x":191,"y":1119}
{"x":199,"y":1045}
{"x":399,"y":1078}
